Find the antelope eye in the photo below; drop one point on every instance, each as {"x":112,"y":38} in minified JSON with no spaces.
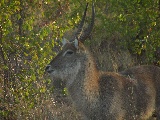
{"x":68,"y":52}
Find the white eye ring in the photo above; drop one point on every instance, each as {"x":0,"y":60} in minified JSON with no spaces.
{"x":68,"y":52}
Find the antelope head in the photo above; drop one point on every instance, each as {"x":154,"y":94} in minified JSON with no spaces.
{"x":68,"y":62}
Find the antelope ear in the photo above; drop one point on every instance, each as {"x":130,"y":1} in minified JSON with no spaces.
{"x":76,"y":43}
{"x":64,"y":41}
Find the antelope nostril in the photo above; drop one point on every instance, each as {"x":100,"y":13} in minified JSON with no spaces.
{"x":47,"y":68}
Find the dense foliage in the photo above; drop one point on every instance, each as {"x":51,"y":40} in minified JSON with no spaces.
{"x":31,"y":31}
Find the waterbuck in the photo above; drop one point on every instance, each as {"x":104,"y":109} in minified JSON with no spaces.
{"x":133,"y":94}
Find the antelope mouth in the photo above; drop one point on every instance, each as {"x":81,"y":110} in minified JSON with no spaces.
{"x":50,"y":71}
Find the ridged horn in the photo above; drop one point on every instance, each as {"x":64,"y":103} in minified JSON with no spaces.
{"x":86,"y":33}
{"x":80,"y":27}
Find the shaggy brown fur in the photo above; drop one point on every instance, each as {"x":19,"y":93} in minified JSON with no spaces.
{"x":133,"y":94}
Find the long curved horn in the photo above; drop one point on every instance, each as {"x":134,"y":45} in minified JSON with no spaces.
{"x":80,"y":27}
{"x":87,"y":31}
